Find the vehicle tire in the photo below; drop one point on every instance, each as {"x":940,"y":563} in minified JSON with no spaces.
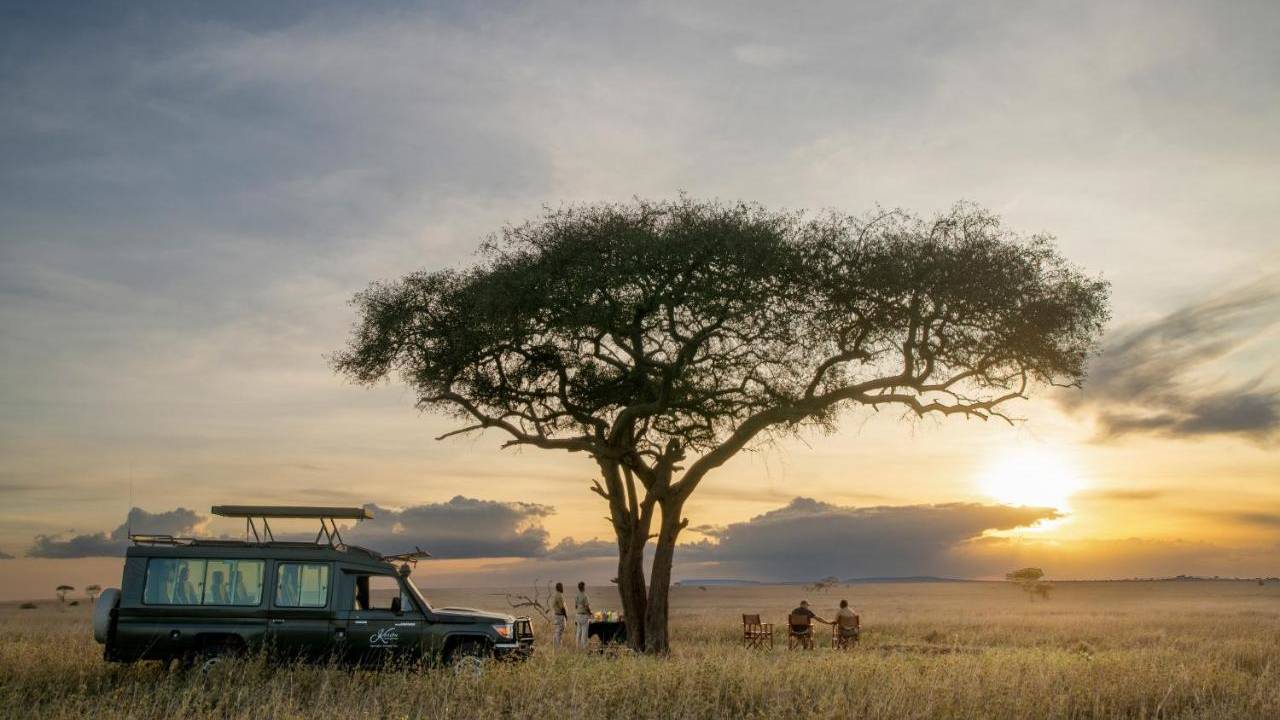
{"x":470,"y":657}
{"x":108,"y":601}
{"x":214,"y":656}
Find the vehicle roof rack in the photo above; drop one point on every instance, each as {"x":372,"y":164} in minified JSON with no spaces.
{"x":150,"y":539}
{"x":255,"y":514}
{"x":291,"y":511}
{"x":328,"y":517}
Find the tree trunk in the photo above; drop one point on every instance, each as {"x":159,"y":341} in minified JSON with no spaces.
{"x":660,"y":579}
{"x":631,"y":589}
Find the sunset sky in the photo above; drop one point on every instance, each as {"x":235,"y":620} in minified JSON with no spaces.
{"x":191,"y":193}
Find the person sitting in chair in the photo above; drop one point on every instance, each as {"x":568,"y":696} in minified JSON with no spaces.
{"x":846,"y":621}
{"x":806,"y":631}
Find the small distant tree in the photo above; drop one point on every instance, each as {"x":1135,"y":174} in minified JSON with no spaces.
{"x":1031,"y":580}
{"x":824,"y":584}
{"x":62,"y":591}
{"x":92,"y":591}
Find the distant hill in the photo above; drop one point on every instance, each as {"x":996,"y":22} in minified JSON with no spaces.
{"x":906,"y":579}
{"x":851,"y":581}
{"x":721,"y":581}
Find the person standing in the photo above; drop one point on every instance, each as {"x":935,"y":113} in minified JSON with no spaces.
{"x":559,"y":616}
{"x":582,"y":609}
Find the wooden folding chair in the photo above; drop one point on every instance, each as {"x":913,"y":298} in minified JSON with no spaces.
{"x":846,"y":632}
{"x":799,"y":631}
{"x":756,"y":634}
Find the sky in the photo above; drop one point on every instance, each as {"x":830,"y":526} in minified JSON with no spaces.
{"x":191,"y":193}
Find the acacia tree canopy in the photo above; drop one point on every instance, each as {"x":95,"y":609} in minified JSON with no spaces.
{"x":661,"y":338}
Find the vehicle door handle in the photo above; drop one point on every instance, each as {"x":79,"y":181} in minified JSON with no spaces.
{"x":277,"y":621}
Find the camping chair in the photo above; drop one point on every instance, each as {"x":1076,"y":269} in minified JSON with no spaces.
{"x":755,"y":633}
{"x":846,"y":631}
{"x":799,"y":631}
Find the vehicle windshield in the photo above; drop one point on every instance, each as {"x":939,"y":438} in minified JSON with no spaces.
{"x":413,"y":589}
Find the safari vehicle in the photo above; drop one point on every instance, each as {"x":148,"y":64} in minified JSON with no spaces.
{"x":198,"y":600}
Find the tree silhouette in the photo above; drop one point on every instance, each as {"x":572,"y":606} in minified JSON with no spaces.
{"x":661,"y":338}
{"x":1031,"y":581}
{"x":92,"y":591}
{"x":62,"y":591}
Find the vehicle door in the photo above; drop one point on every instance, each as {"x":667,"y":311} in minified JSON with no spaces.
{"x":383,"y":623}
{"x":298,"y":624}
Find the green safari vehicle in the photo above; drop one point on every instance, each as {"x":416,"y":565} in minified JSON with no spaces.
{"x":200,"y":600}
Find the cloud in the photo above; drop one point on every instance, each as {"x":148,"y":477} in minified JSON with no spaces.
{"x":809,"y":538}
{"x":1180,"y":376}
{"x":460,"y":528}
{"x":765,"y":56}
{"x":1263,"y":519}
{"x":1122,"y":495}
{"x":179,"y":521}
{"x":1092,"y":558}
{"x":570,"y":549}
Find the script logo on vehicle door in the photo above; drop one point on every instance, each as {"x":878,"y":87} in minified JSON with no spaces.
{"x":384,"y":637}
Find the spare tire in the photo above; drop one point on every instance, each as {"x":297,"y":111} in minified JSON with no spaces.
{"x":108,"y":601}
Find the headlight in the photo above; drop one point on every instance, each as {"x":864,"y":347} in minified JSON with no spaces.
{"x":504,"y":630}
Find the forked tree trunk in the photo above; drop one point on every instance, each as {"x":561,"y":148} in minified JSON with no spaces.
{"x":631,"y":589}
{"x":656,"y":641}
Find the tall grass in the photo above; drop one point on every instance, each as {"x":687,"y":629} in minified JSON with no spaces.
{"x":1095,"y":651}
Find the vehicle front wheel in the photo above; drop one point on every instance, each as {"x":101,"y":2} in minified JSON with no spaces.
{"x":470,"y":658}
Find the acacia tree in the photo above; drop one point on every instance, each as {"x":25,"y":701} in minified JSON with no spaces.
{"x":1031,"y":580}
{"x":661,"y":338}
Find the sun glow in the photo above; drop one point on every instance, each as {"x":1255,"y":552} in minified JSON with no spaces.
{"x":1032,"y":476}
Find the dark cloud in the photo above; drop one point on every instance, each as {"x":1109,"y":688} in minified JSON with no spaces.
{"x":180,"y":521}
{"x":1159,"y":378}
{"x":808,"y":539}
{"x":1265,"y":519}
{"x":460,"y":528}
{"x":570,"y":549}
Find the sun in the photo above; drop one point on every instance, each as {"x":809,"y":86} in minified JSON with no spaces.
{"x":1031,"y":476}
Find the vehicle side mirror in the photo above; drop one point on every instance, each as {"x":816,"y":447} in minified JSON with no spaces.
{"x":395,"y":605}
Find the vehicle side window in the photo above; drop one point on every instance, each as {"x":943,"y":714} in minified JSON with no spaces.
{"x":233,"y":582}
{"x":171,"y":581}
{"x":380,"y":592}
{"x":302,"y":584}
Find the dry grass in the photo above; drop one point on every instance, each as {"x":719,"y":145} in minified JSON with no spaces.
{"x":1138,"y":650}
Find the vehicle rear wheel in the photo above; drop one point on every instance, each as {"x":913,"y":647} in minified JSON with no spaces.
{"x":470,"y":658}
{"x":213,"y":656}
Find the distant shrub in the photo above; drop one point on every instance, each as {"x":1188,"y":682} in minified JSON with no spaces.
{"x":1030,"y":580}
{"x":27,"y":606}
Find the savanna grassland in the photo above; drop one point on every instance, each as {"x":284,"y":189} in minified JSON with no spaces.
{"x":971,"y":650}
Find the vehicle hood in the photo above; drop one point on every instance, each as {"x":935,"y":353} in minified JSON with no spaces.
{"x":471,"y":615}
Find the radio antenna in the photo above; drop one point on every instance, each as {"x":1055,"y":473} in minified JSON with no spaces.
{"x":128,"y":518}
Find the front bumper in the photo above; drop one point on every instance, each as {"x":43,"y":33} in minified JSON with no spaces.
{"x":522,"y":648}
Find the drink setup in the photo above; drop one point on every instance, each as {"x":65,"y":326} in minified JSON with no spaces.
{"x":608,"y":627}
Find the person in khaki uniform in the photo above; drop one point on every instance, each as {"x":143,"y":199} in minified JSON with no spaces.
{"x":559,"y":616}
{"x":582,"y":609}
